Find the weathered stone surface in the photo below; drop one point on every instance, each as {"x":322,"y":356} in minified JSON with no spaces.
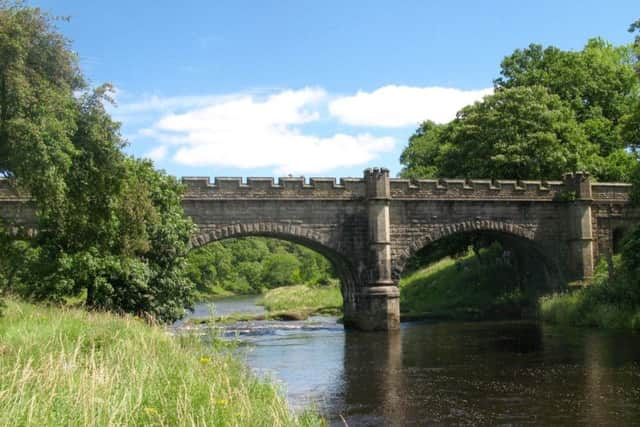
{"x":369,"y":227}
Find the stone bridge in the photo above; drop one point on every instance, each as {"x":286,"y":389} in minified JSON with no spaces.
{"x":369,"y":227}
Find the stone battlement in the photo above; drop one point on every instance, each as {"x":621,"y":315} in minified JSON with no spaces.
{"x":286,"y":187}
{"x":480,"y":189}
{"x":611,"y":192}
{"x":355,"y":188}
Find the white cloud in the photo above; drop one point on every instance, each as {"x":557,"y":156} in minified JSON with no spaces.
{"x":288,"y":131}
{"x":246,"y":132}
{"x":399,"y":106}
{"x":156,"y":154}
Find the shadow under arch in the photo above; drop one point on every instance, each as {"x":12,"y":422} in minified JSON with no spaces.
{"x":511,"y":236}
{"x":300,"y":235}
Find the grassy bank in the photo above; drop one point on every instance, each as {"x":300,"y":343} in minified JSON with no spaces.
{"x":462,"y":289}
{"x":585,"y":307}
{"x":70,"y":367}
{"x":611,"y":303}
{"x":304,"y":300}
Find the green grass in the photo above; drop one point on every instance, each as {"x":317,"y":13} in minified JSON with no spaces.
{"x":583,"y":307}
{"x":74,"y":368}
{"x":481,"y":290}
{"x":303,"y":298}
{"x":602,"y":302}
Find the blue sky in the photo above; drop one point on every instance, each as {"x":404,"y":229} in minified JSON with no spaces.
{"x":314,"y":88}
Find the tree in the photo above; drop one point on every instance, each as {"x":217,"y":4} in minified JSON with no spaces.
{"x":551,"y":109}
{"x":524,"y":132}
{"x":635,"y":26}
{"x":38,"y":75}
{"x":420,"y":158}
{"x":598,"y":83}
{"x":281,"y":269}
{"x":109,"y":226}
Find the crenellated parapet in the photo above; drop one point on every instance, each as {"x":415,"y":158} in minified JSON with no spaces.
{"x":355,"y":189}
{"x":434,"y":189}
{"x":610,"y":192}
{"x":268,"y":188}
{"x":476,"y":189}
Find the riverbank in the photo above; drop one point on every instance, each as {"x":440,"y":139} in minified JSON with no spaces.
{"x":71,"y":367}
{"x":603,"y":302}
{"x":297,"y":302}
{"x":590,"y":307}
{"x":466,"y":288}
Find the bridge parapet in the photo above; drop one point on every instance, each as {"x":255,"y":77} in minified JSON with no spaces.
{"x":268,"y":188}
{"x":476,"y":189}
{"x":613,"y":192}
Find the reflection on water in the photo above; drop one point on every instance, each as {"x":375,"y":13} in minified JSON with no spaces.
{"x":496,"y":373}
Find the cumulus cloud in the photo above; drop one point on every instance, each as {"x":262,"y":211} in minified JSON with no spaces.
{"x":289,"y":131}
{"x":245,"y":131}
{"x":156,"y":154}
{"x":399,"y":106}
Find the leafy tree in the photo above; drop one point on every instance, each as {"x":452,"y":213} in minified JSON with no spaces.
{"x":524,"y":132}
{"x":553,"y":111}
{"x":598,"y":83}
{"x":244,"y":265}
{"x":109,"y":226}
{"x":635,"y":26}
{"x":281,"y":269}
{"x":38,"y":75}
{"x":420,"y":158}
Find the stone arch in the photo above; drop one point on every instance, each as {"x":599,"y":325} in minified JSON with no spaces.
{"x":312,"y":239}
{"x":509,"y":230}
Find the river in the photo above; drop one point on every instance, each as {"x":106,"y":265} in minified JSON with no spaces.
{"x":446,"y":373}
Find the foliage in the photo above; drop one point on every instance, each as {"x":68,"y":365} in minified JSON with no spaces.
{"x":598,"y":83}
{"x":110,"y":227}
{"x":71,"y":367}
{"x":608,"y":302}
{"x":524,"y":132}
{"x":421,"y":157}
{"x":38,"y":75}
{"x":552,"y":112}
{"x":466,"y":287}
{"x":635,"y":26}
{"x":249,"y":265}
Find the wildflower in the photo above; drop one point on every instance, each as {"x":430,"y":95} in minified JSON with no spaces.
{"x":150,"y":411}
{"x":204,"y":360}
{"x":221,"y":402}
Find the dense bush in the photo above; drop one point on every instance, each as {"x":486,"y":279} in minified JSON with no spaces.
{"x":110,"y":228}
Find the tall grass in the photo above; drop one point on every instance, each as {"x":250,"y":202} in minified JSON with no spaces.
{"x":303,"y":298}
{"x":463,"y":288}
{"x":67,"y":367}
{"x":610,"y":303}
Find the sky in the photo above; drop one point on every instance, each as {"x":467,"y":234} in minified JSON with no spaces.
{"x":311,"y":88}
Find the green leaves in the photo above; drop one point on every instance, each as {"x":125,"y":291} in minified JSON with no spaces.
{"x":249,"y":265}
{"x":109,"y":226}
{"x":552,"y":112}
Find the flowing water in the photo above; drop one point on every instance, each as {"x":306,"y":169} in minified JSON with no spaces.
{"x":447,"y":373}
